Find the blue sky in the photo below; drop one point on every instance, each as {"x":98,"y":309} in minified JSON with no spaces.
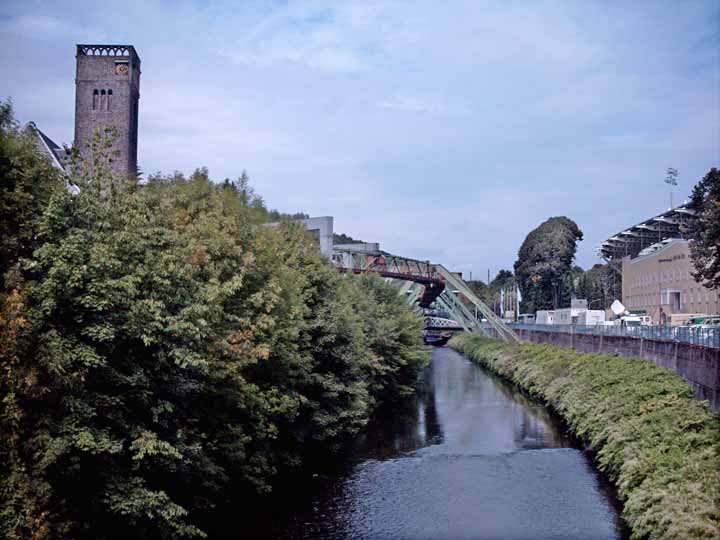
{"x":443,"y":130}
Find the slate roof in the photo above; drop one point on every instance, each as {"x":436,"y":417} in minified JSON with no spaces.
{"x":49,"y":147}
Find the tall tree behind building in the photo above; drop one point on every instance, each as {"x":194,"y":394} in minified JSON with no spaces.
{"x":544,"y":263}
{"x":704,"y":233}
{"x":601,"y":285}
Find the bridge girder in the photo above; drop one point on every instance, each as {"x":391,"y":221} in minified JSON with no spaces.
{"x":428,"y":284}
{"x":392,"y":266}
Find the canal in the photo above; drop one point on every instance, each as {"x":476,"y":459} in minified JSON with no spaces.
{"x":471,"y":458}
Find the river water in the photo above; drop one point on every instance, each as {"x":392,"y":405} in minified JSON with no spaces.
{"x":471,"y":458}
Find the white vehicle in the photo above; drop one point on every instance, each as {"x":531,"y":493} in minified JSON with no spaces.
{"x":626,"y":319}
{"x":629,"y":321}
{"x":545,"y":317}
{"x":591,"y":316}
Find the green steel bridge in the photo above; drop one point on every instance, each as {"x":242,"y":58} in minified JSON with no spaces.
{"x":426,"y":286}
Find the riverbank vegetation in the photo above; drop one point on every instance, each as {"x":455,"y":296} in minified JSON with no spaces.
{"x":160,"y":347}
{"x":652,"y":438}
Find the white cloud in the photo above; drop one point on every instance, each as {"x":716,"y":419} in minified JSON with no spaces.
{"x":621,"y":141}
{"x":410,"y":104}
{"x":306,"y":34}
{"x":46,"y":27}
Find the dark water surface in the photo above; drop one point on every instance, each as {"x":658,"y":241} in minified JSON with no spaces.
{"x":471,"y":459}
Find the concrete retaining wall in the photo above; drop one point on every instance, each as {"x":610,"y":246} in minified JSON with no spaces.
{"x":699,"y":366}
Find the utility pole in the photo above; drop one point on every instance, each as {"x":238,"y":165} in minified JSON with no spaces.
{"x":671,"y":180}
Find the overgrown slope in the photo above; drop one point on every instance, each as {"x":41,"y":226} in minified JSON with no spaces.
{"x":654,"y":440}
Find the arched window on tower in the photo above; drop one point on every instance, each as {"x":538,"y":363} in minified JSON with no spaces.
{"x":95,"y":99}
{"x":109,"y":101}
{"x":103,"y":100}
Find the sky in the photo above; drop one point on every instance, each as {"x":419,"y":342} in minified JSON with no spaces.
{"x":446,"y":131}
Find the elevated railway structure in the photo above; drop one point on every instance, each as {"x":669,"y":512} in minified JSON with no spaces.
{"x":394,"y":267}
{"x":425,"y":285}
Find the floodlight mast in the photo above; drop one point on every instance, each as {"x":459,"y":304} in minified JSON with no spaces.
{"x":671,"y":180}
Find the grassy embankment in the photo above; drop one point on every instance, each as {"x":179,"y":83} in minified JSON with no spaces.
{"x":656,"y":442}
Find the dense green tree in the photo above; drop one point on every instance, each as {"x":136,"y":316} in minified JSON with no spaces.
{"x":391,"y":332}
{"x":544,"y":263}
{"x":27,"y":179}
{"x":503,"y":276}
{"x":165,"y":346}
{"x":704,"y":231}
{"x":481,"y":290}
{"x":343,"y":238}
{"x":600,"y":285}
{"x":490,"y":294}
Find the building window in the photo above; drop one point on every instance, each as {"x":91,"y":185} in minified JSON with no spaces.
{"x":103,"y":100}
{"x":95,"y":99}
{"x":109,"y":99}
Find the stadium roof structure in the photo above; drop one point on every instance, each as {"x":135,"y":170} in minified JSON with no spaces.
{"x":631,"y":241}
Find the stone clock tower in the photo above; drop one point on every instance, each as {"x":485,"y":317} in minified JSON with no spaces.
{"x":107,"y":90}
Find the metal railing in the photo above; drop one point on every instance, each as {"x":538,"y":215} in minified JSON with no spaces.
{"x":705,"y":335}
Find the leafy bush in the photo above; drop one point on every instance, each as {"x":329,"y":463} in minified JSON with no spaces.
{"x":654,"y":440}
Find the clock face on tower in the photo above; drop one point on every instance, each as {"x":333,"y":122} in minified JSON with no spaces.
{"x":121,"y":69}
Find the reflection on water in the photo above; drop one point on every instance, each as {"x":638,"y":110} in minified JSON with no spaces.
{"x":469,"y":457}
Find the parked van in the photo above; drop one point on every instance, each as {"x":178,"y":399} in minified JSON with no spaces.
{"x":680,"y":319}
{"x":591,"y":316}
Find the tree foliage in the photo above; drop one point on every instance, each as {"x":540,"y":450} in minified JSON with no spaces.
{"x":544,"y":265}
{"x":600,"y":285}
{"x":27,"y":179}
{"x":704,"y":232}
{"x":160,"y":345}
{"x":490,"y":294}
{"x":343,"y":238}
